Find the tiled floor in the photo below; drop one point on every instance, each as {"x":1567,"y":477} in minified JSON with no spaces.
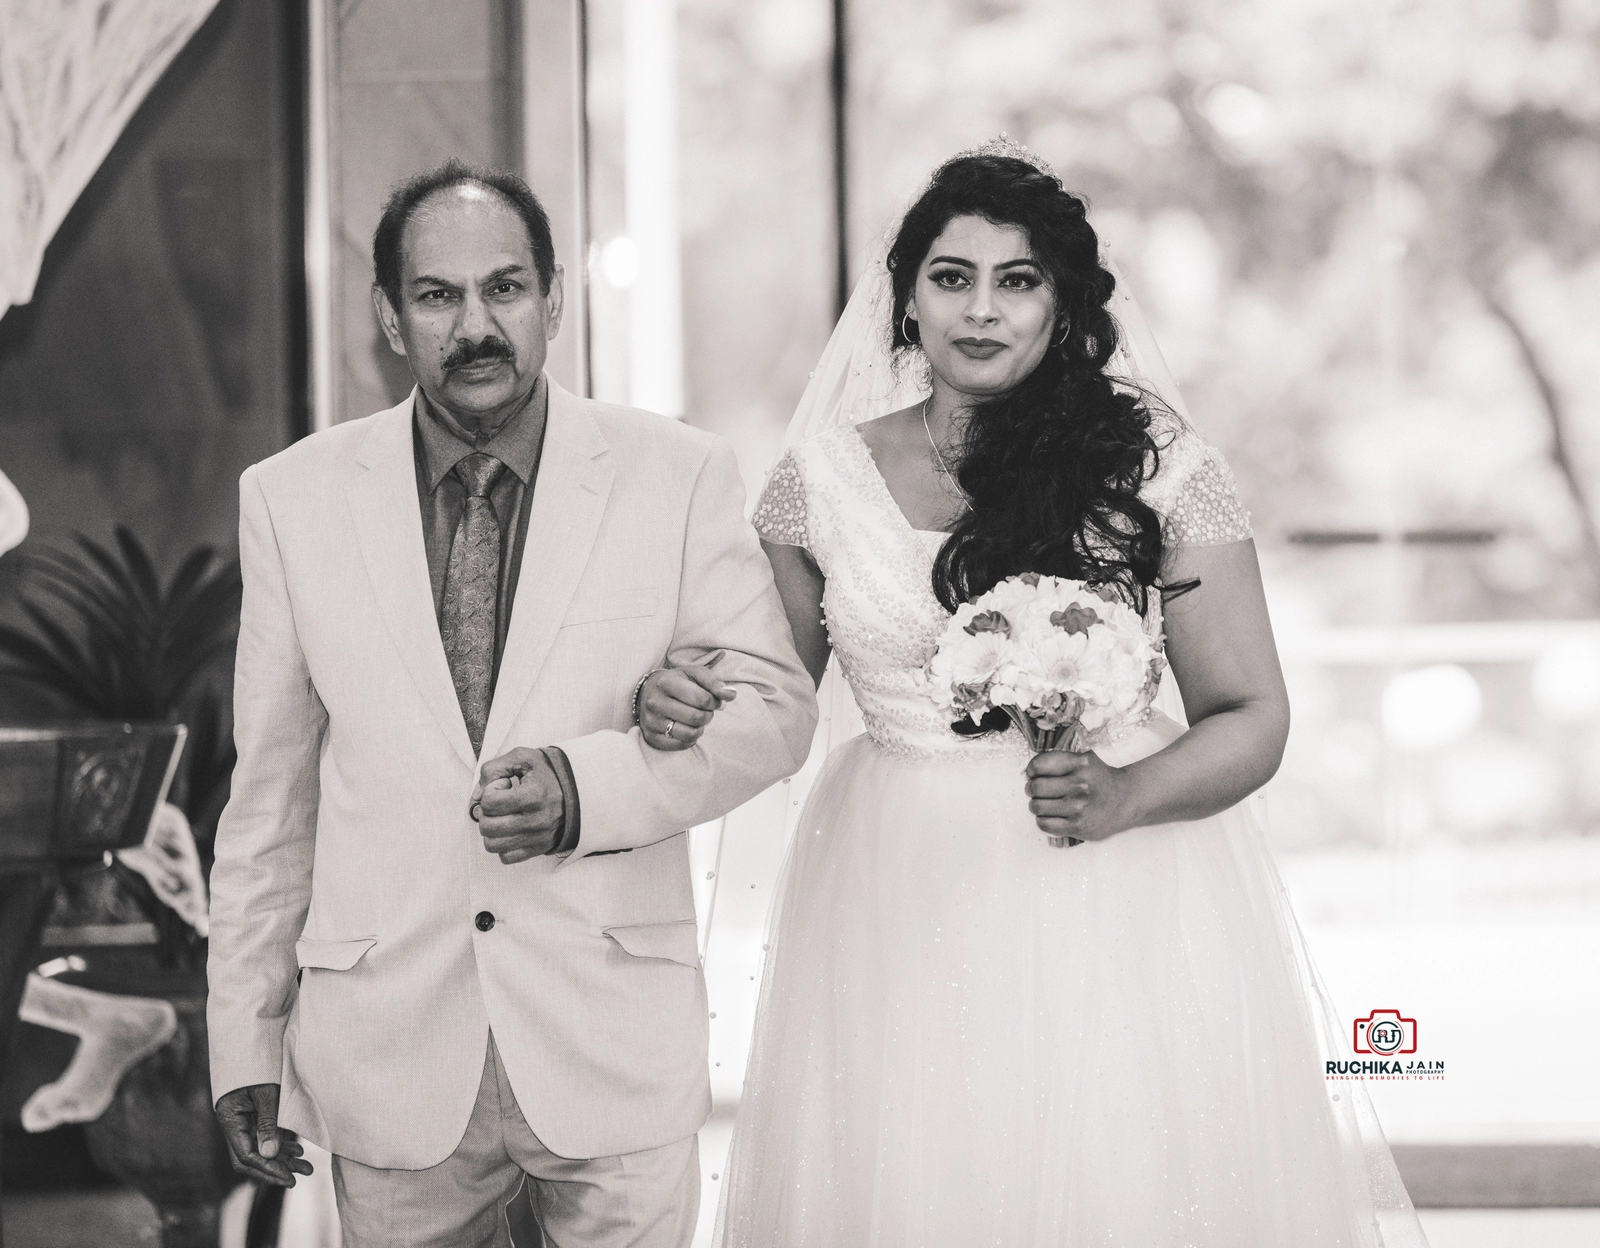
{"x":115,"y":1219}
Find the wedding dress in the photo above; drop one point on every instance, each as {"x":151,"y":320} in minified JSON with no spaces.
{"x":967,"y":1037}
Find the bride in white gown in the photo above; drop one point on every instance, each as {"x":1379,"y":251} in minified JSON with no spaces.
{"x":965,"y":1036}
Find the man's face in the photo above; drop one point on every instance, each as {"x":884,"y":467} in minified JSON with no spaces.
{"x":471,"y":321}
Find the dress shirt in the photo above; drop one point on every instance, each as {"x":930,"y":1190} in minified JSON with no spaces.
{"x":439,"y":444}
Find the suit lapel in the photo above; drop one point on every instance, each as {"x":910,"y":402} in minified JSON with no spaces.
{"x":388,"y":519}
{"x":569,"y":499}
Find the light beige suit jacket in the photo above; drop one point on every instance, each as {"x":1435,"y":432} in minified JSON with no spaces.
{"x":345,"y":960}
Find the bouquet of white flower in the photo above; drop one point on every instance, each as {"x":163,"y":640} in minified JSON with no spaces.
{"x":1070,"y":664}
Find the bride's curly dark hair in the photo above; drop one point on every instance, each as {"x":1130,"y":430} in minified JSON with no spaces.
{"x":1053,"y":466}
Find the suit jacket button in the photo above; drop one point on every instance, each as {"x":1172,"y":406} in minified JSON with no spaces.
{"x":485,"y":920}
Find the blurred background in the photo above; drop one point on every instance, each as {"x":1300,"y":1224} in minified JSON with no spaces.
{"x":1367,"y":235}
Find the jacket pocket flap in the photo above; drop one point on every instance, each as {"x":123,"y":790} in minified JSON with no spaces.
{"x":619,"y":605}
{"x":332,"y":955}
{"x":676,"y":942}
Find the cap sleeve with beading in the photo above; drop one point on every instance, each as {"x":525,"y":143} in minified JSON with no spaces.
{"x":780,"y":514}
{"x":1195,"y":494}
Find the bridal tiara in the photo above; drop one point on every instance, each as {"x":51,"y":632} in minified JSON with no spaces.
{"x":1004,"y":145}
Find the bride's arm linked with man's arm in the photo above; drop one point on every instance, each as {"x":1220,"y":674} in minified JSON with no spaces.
{"x":675,"y":704}
{"x":632,"y":795}
{"x":1220,"y":647}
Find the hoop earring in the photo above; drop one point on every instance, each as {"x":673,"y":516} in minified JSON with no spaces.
{"x":1065,"y":334}
{"x":906,"y":333}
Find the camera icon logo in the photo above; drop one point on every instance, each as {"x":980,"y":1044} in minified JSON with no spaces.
{"x":1385,"y":1033}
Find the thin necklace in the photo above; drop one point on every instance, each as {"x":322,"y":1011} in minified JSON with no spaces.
{"x":943,"y":467}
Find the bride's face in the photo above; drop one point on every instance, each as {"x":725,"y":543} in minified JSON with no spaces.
{"x":984,"y":307}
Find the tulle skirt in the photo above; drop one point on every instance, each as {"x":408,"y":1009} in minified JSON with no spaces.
{"x":968,"y":1037}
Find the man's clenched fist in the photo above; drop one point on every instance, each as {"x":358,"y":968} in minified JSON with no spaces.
{"x":518,"y":805}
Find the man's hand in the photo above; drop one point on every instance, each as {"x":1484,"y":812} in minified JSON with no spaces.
{"x":249,"y":1121}
{"x":518,"y":806}
{"x":1078,"y":795}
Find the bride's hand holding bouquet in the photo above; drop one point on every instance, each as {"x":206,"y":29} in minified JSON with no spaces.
{"x":1072,"y":666}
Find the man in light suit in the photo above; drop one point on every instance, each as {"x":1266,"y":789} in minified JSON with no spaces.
{"x":453,"y":932}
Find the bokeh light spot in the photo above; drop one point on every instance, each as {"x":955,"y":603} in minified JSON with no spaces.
{"x":619,"y":261}
{"x":1431,"y":706}
{"x":1566,"y":681}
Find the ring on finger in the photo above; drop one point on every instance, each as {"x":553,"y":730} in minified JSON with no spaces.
{"x":671,"y":724}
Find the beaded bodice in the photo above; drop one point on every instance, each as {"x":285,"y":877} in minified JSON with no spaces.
{"x":828,"y":497}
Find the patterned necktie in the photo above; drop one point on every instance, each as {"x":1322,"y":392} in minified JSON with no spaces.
{"x":471,"y":594}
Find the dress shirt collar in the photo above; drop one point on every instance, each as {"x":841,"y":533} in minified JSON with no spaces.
{"x":515,"y":444}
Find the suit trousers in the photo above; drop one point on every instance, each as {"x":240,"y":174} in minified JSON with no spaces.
{"x":648,"y":1199}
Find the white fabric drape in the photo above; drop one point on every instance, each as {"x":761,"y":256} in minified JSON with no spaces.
{"x":72,"y":72}
{"x":13,"y":515}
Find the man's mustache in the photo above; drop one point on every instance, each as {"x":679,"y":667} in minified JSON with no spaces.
{"x":467,"y":352}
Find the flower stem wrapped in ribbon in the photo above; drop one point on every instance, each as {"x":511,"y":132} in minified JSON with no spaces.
{"x":1070,"y":664}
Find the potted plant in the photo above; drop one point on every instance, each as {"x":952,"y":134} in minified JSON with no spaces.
{"x":107,"y":639}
